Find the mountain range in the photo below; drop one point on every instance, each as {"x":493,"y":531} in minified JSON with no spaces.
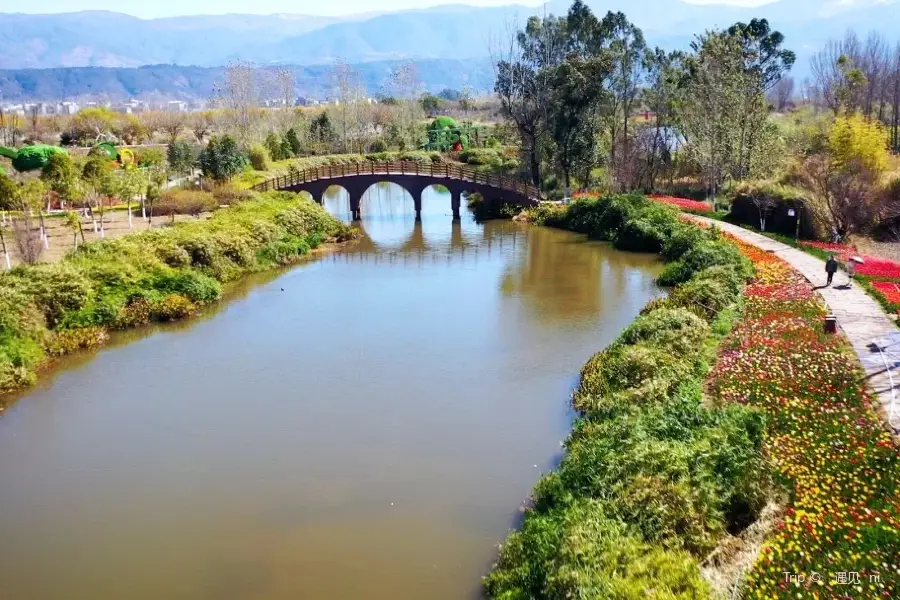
{"x":106,"y":39}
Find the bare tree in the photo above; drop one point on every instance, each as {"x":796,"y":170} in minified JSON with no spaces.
{"x":780,"y":96}
{"x":346,"y":85}
{"x":28,"y":241}
{"x":239,"y":94}
{"x":764,"y":204}
{"x":286,"y":87}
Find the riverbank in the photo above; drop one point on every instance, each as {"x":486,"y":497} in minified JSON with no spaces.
{"x":663,"y":488}
{"x":48,"y":310}
{"x":654,"y":478}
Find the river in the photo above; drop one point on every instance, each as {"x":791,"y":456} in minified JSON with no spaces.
{"x":364,"y":426}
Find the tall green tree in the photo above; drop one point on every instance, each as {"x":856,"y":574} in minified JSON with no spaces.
{"x":294,"y":141}
{"x":524,"y":85}
{"x":180,"y":156}
{"x":222,"y":159}
{"x":61,"y":174}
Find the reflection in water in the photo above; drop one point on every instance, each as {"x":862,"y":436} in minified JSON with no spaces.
{"x":364,"y":426}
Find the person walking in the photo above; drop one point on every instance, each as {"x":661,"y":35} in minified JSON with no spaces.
{"x":851,"y":271}
{"x":831,"y":267}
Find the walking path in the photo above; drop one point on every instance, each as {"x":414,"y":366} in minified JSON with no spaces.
{"x":874,"y":336}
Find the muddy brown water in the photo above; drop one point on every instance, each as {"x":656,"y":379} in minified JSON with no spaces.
{"x":363,"y":426}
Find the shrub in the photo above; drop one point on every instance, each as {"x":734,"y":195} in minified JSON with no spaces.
{"x":579,"y":552}
{"x":707,"y":253}
{"x":67,"y":341}
{"x":378,"y":146}
{"x":54,"y":289}
{"x":259,"y":158}
{"x":185,"y":202}
{"x":136,"y":313}
{"x":227,"y":194}
{"x":704,"y":296}
{"x":172,"y":308}
{"x":196,"y":287}
{"x":675,"y":329}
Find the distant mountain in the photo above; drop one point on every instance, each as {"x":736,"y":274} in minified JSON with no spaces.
{"x":105,"y":39}
{"x":191,"y":83}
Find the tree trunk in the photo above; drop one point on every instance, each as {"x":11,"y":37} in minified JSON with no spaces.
{"x":44,"y":235}
{"x":81,"y":231}
{"x":93,"y":217}
{"x":5,"y":250}
{"x":130,"y":226}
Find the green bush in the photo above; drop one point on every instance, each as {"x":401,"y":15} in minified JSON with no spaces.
{"x":259,"y":158}
{"x":673,"y":329}
{"x":172,"y":308}
{"x":707,"y":253}
{"x":704,"y":296}
{"x":579,"y":552}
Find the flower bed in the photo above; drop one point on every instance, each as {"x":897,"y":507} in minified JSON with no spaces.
{"x":684,"y":203}
{"x":841,"y":531}
{"x":842,"y":250}
{"x":889,"y":289}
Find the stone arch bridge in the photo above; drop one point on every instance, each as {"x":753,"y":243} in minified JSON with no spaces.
{"x":414,"y":177}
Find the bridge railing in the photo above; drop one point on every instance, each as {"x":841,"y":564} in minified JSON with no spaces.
{"x":406,"y":168}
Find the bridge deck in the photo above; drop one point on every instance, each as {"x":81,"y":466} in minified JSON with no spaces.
{"x":436,"y":171}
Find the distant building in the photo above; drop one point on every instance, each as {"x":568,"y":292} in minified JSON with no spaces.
{"x":176,"y":106}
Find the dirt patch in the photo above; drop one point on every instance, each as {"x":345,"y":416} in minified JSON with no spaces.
{"x":727,"y":566}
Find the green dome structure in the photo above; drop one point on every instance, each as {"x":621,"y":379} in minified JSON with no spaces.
{"x":446,"y":135}
{"x":31,"y":158}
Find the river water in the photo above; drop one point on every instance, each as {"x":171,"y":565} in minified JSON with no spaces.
{"x":363,"y":426}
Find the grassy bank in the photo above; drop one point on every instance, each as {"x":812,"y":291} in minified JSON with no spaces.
{"x":164,"y":274}
{"x":653,"y":477}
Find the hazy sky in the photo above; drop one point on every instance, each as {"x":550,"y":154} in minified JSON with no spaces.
{"x":167,"y":8}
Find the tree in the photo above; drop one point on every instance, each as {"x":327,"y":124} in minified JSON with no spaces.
{"x":431,"y":104}
{"x":92,"y":125}
{"x":9,"y":200}
{"x":626,"y":50}
{"x":782,"y":93}
{"x":222,"y":159}
{"x":466,"y":102}
{"x":321,"y":130}
{"x":129,"y":186}
{"x":286,"y":150}
{"x":201,"y":123}
{"x":73,"y":222}
{"x":61,"y":174}
{"x":172,"y":124}
{"x":293,"y":141}
{"x":180,"y":156}
{"x":845,"y":180}
{"x":239,"y":94}
{"x":725,"y":108}
{"x":273,"y":146}
{"x":31,"y":197}
{"x":573,"y":102}
{"x":523,"y":84}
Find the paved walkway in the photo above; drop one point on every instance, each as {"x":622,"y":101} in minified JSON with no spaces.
{"x":859,"y":315}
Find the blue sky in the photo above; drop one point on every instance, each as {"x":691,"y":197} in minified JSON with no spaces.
{"x":167,"y":8}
